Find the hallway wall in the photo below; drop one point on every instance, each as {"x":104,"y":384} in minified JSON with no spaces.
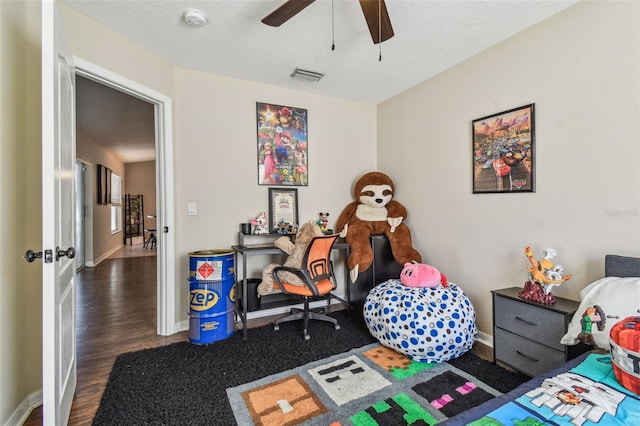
{"x":140,"y":178}
{"x":90,"y":151}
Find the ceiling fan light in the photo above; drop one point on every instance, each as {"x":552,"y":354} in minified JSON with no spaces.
{"x":306,"y":75}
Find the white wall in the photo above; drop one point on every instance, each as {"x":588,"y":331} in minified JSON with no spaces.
{"x":215,"y":143}
{"x":581,"y":69}
{"x":97,"y":44}
{"x":216,"y":159}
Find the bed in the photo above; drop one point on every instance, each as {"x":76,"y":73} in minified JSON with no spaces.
{"x":585,"y":391}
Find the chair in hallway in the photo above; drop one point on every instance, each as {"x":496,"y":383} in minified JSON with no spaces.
{"x":152,"y":240}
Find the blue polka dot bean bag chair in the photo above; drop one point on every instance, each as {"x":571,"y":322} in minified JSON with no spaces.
{"x":426,"y":324}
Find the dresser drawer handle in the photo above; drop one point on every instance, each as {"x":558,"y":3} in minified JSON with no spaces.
{"x":530,"y":358}
{"x":525,"y":321}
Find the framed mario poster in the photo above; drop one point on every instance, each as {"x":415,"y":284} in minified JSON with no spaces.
{"x":282,"y":145}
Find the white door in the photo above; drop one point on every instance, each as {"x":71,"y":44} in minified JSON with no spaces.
{"x":58,"y":208}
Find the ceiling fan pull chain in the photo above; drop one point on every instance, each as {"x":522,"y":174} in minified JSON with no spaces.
{"x":333,"y":29}
{"x":379,"y":30}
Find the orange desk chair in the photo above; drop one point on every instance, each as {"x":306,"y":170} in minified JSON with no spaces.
{"x":319,"y":279}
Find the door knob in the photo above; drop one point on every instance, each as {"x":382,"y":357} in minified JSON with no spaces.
{"x":31,"y":255}
{"x":70,"y":253}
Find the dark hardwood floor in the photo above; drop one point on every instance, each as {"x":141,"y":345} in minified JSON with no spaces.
{"x":116,"y":313}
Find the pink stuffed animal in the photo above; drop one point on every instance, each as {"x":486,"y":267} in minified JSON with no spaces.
{"x":421,"y":275}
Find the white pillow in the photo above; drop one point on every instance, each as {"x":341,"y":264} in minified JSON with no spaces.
{"x":617,"y":298}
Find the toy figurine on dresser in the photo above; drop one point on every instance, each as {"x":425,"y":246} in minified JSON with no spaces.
{"x":543,"y":276}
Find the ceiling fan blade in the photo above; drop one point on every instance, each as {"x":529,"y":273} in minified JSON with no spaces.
{"x":373,"y":17}
{"x":288,"y":10}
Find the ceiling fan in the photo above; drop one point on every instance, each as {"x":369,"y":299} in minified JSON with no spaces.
{"x":375,"y":13}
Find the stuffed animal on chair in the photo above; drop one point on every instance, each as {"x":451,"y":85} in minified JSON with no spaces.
{"x":375,"y":212}
{"x":295,"y":250}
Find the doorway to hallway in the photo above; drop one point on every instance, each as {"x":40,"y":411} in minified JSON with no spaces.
{"x":162,"y":105}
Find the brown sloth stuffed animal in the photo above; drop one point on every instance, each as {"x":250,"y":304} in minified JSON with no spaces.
{"x":375,"y":213}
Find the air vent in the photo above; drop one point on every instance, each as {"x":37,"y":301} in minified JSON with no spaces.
{"x":305,"y":75}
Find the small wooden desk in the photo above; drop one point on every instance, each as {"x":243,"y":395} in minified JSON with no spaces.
{"x":248,"y":250}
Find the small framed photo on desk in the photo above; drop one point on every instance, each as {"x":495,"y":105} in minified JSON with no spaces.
{"x":283,"y":207}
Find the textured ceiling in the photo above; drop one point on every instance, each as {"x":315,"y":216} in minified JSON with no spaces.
{"x":430,"y":37}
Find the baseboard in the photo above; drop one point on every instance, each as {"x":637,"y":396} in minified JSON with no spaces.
{"x":93,"y":263}
{"x":97,"y":261}
{"x":485,"y":339}
{"x":481,"y":337}
{"x":285,"y":309}
{"x":184,"y":325}
{"x":21,"y":414}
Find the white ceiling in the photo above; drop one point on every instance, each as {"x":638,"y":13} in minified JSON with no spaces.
{"x":430,"y":37}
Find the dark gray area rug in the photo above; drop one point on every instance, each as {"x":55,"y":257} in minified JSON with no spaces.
{"x":185,"y":384}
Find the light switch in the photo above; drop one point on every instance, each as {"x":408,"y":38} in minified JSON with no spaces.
{"x":191,"y":209}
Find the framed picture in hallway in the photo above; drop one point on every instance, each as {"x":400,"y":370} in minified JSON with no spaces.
{"x":503,"y":151}
{"x":282,"y":145}
{"x":100,"y":183}
{"x":103,"y":182}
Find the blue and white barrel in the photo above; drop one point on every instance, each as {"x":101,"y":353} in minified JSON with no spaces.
{"x":212,"y":295}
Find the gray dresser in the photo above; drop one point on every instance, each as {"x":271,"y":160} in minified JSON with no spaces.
{"x":526,"y":334}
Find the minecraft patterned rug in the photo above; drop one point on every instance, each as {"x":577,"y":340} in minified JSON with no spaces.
{"x":372,"y":385}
